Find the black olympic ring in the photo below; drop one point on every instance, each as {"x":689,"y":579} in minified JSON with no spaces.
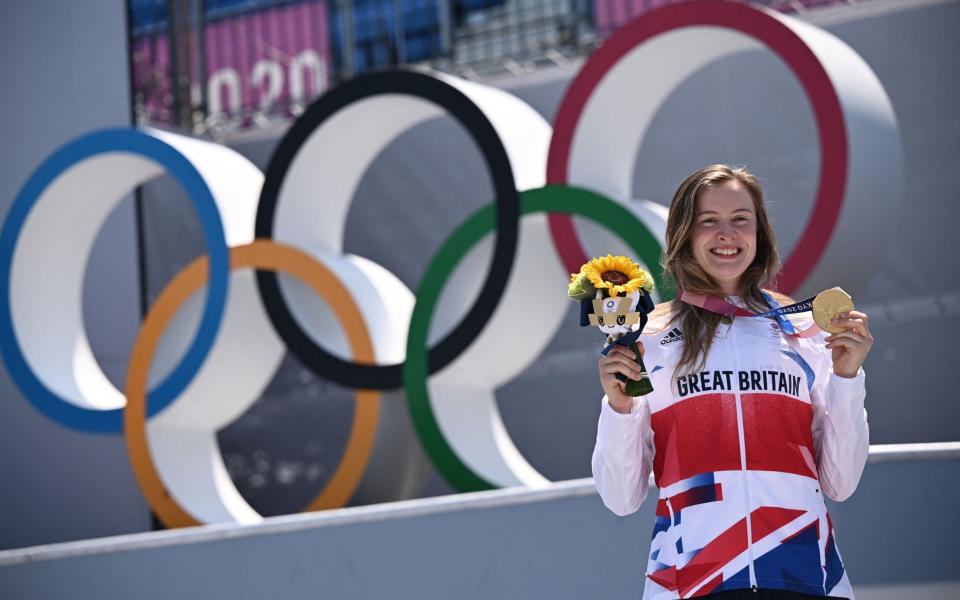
{"x":507,"y":201}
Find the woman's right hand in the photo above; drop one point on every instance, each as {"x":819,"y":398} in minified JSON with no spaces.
{"x":621,"y":360}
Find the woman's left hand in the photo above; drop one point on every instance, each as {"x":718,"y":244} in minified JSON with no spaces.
{"x":850,"y":347}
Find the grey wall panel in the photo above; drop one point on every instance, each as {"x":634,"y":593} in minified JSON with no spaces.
{"x":64,"y":72}
{"x":559,"y":543}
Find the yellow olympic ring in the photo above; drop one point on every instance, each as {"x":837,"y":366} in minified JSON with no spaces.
{"x":261,"y":254}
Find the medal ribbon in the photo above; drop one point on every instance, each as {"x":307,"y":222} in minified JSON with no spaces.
{"x":716,"y":305}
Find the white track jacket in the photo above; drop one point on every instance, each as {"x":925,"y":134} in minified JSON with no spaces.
{"x":742,"y":453}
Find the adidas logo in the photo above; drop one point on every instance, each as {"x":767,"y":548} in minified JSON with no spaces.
{"x":673,"y":336}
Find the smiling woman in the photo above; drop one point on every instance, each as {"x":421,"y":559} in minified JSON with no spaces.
{"x":719,"y":243}
{"x":748,"y":419}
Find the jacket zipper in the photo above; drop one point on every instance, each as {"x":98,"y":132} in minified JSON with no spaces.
{"x":743,"y":464}
{"x":670,"y":511}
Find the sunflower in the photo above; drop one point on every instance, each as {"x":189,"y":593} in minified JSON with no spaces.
{"x":617,"y":274}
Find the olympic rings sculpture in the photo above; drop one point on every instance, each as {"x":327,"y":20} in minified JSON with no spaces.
{"x":196,"y":345}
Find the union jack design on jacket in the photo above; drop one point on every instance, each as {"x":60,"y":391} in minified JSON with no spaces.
{"x":742,"y":453}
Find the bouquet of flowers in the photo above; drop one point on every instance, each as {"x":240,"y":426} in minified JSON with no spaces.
{"x":614,"y":295}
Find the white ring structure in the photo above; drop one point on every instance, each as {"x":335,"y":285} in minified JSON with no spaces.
{"x":464,"y":401}
{"x":620,"y":108}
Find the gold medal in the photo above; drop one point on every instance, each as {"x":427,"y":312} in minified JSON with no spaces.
{"x":828,"y":305}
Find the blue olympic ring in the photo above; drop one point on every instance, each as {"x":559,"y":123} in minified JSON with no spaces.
{"x":76,"y":151}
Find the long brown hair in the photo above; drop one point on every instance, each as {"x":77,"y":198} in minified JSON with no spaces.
{"x":698,"y":325}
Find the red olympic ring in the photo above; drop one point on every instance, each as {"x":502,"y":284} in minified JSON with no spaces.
{"x":777,"y":36}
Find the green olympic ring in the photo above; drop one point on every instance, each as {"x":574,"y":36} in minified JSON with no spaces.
{"x":554,"y":199}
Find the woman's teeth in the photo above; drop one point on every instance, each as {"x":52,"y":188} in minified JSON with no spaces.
{"x":725,"y":251}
